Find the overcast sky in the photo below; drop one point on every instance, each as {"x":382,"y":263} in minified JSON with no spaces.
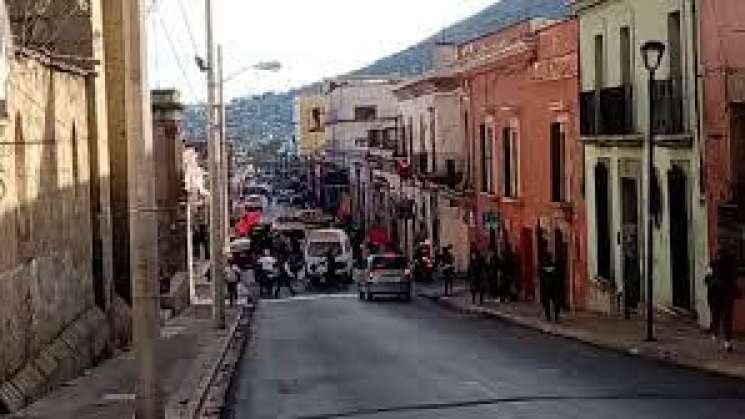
{"x":312,"y":39}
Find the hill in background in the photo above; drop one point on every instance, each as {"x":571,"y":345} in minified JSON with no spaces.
{"x":266,"y":117}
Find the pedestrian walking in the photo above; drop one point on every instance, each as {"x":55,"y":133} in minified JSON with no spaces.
{"x":232,"y":276}
{"x":476,"y":274}
{"x":494,"y":274}
{"x":550,"y":292}
{"x":265,"y":272}
{"x":285,"y":277}
{"x":448,"y":269}
{"x":722,"y":294}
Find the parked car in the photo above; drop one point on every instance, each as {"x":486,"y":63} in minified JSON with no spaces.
{"x":385,"y":274}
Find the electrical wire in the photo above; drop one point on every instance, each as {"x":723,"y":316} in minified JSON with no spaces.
{"x":185,"y":18}
{"x":172,"y":45}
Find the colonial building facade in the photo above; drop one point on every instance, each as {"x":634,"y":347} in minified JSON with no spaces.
{"x":614,"y":121}
{"x":722,"y":95}
{"x":520,"y":87}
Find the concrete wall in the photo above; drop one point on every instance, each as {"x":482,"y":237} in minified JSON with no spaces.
{"x":169,"y":178}
{"x":46,"y":279}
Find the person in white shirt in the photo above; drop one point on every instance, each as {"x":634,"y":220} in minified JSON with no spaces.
{"x":266,"y":268}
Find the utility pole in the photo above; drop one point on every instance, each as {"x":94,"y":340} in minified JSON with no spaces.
{"x":223,"y":147}
{"x":217,"y":247}
{"x":142,"y":207}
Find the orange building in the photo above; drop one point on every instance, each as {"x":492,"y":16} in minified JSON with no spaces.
{"x":520,"y":89}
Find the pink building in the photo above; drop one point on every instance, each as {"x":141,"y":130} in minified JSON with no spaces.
{"x":722,"y":96}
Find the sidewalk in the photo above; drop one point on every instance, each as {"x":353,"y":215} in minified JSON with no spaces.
{"x":679,"y":341}
{"x":190,"y":352}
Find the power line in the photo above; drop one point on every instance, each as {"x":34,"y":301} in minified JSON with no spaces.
{"x":175,"y":54}
{"x":185,"y":18}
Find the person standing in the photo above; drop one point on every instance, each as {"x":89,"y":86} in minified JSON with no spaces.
{"x":284,"y":278}
{"x":476,"y":275}
{"x":448,"y":269}
{"x":265,"y":272}
{"x":549,"y":289}
{"x":231,"y":281}
{"x":725,"y":293}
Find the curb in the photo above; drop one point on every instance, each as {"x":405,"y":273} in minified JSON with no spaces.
{"x":564,"y":332}
{"x":197,"y":408}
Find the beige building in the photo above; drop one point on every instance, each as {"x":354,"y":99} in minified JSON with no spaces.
{"x":433,"y":143}
{"x":55,"y":268}
{"x":614,"y":103}
{"x":310,"y":135}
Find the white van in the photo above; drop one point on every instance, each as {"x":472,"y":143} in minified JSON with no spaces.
{"x":317,"y":245}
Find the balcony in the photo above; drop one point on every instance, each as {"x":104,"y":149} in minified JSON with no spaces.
{"x":449,"y":172}
{"x":667,"y":97}
{"x":611,"y":112}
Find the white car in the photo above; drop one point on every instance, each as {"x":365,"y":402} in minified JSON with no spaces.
{"x":319,"y":243}
{"x":386,"y":274}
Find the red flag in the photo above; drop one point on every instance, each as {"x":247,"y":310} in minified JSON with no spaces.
{"x":247,"y":223}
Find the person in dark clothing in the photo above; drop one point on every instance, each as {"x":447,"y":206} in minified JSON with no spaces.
{"x":448,"y":269}
{"x":476,"y":275}
{"x":330,"y":269}
{"x":494,"y":274}
{"x":284,"y":278}
{"x":723,"y":292}
{"x":550,"y":294}
{"x":508,"y":274}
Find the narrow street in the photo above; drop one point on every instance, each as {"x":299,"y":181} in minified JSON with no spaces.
{"x":320,"y":356}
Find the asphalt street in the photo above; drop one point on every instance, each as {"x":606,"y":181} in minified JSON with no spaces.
{"x":338,"y":357}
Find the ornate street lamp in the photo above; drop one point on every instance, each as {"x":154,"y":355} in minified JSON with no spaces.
{"x":652,"y":52}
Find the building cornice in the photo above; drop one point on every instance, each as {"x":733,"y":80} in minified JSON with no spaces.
{"x":579,"y":6}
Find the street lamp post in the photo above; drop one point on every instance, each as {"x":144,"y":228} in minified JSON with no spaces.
{"x":652,"y":52}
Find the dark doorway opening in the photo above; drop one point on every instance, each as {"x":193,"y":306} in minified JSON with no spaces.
{"x":679,"y":257}
{"x":630,"y":244}
{"x":562,"y":266}
{"x":602,"y":220}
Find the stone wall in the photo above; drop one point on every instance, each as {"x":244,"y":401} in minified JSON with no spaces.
{"x":46,"y":258}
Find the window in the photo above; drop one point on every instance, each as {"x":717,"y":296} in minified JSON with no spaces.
{"x":509,"y":154}
{"x":673,"y":40}
{"x":487,"y":153}
{"x":365,"y":113}
{"x":433,"y":138}
{"x":625,"y":55}
{"x":599,"y":62}
{"x":557,"y":163}
{"x":315,"y":120}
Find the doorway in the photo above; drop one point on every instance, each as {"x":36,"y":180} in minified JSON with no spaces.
{"x":679,"y":251}
{"x":561,"y":250}
{"x":630,"y":243}
{"x":527,"y":265}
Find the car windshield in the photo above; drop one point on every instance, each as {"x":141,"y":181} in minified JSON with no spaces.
{"x":319,"y":249}
{"x":255,"y":190}
{"x":388,"y":262}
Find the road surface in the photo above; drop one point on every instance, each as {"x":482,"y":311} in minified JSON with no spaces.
{"x":336,"y":356}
